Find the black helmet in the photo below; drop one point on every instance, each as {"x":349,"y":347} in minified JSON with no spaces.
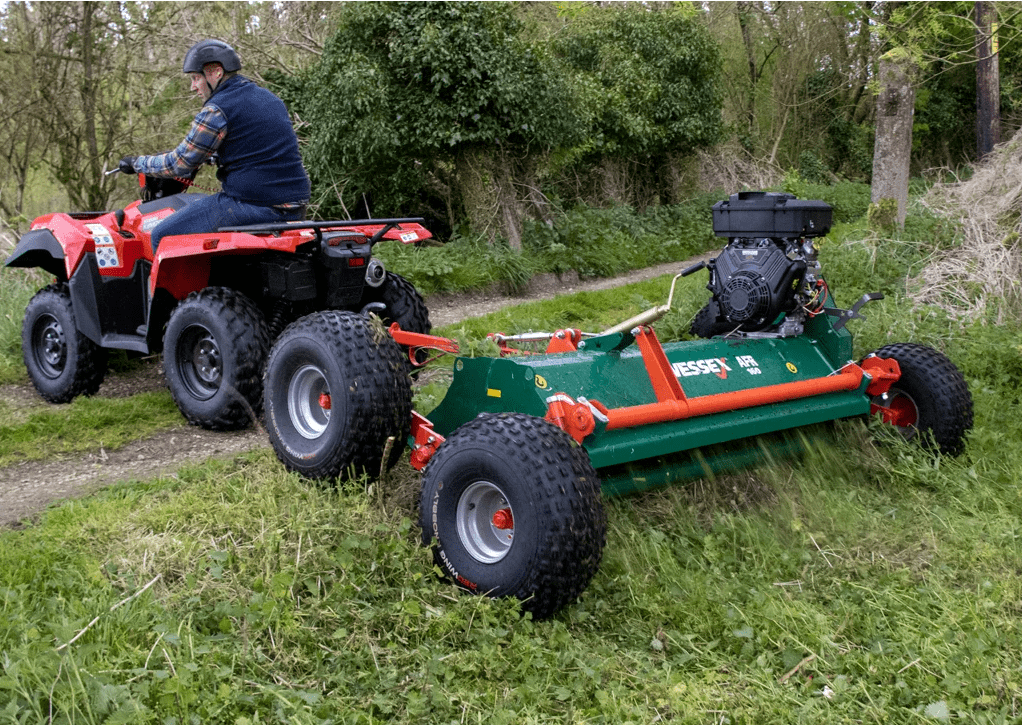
{"x":211,"y":51}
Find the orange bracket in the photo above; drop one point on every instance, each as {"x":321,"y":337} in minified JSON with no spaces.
{"x":564,"y":341}
{"x":426,"y":440}
{"x":574,"y":418}
{"x":418,"y":341}
{"x":883,"y":371}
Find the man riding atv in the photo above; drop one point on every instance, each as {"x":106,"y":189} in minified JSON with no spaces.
{"x":233,"y":269}
{"x":248,"y":132}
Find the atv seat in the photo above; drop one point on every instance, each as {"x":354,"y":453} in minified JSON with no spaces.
{"x":175,"y":202}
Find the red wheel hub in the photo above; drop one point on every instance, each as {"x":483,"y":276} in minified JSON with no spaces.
{"x":324,"y":401}
{"x":503,"y":520}
{"x":899,"y":411}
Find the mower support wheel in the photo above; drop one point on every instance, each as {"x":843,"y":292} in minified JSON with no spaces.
{"x":513,"y":508}
{"x":931,"y":397}
{"x":62,"y":363}
{"x":214,"y":348}
{"x":336,"y":389}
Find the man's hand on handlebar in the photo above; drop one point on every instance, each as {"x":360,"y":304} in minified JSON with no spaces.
{"x":127,"y":165}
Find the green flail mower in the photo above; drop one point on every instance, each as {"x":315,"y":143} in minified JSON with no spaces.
{"x":516,"y":458}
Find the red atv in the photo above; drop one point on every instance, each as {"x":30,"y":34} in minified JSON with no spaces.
{"x":213,"y":303}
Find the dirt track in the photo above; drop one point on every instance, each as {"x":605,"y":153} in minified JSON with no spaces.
{"x":27,"y":488}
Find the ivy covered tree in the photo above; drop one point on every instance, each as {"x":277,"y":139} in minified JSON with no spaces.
{"x":648,"y":81}
{"x":451,"y":110}
{"x":430,"y":108}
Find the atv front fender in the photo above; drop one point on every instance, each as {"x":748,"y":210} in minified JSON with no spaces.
{"x":39,"y":248}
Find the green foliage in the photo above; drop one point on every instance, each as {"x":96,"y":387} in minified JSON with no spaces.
{"x":649,"y":80}
{"x":461,"y":264}
{"x":883,"y":215}
{"x":16,"y":289}
{"x":850,"y":199}
{"x":592,"y":242}
{"x":411,"y":103}
{"x":85,"y":424}
{"x":606,"y":242}
{"x":402,"y":89}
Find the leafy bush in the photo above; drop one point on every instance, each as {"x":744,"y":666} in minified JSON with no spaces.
{"x":606,"y":242}
{"x":403,"y":89}
{"x":850,"y":199}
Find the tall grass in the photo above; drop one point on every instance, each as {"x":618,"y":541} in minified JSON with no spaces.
{"x":16,"y":289}
{"x":863,"y":582}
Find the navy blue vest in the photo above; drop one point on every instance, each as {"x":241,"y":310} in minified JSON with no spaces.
{"x":259,"y":159}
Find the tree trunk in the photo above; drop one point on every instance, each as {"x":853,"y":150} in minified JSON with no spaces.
{"x":988,"y":82}
{"x":486,"y":182}
{"x":742,"y":11}
{"x":893,"y":148}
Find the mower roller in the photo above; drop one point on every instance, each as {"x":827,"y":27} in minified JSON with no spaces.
{"x":517,"y":456}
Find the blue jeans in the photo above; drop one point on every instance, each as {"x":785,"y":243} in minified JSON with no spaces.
{"x":209,"y":213}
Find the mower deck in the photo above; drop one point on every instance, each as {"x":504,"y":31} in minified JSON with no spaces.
{"x":625,"y":398}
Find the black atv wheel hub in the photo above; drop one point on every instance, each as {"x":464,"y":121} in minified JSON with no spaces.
{"x":50,"y":346}
{"x":200,"y":362}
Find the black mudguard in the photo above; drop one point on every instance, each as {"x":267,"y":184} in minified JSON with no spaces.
{"x":111,"y":311}
{"x":39,"y":248}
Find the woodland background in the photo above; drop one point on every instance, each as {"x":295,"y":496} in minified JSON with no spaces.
{"x":488,"y":118}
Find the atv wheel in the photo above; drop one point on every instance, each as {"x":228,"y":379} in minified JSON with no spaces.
{"x":402,"y":304}
{"x":213,"y":354}
{"x":336,"y":390}
{"x":62,"y":362}
{"x":930,"y":398}
{"x":514,"y":508}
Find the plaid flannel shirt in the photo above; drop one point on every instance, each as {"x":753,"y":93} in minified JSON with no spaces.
{"x":203,"y":139}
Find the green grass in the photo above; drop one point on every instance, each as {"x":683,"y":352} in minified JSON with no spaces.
{"x":86,"y":424}
{"x":16,"y":289}
{"x":863,"y":582}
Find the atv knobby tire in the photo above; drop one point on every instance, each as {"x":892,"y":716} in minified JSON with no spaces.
{"x":214,"y":349}
{"x":513,"y":508}
{"x":404,"y":305}
{"x":707,"y":322}
{"x":931,"y":399}
{"x":336,"y":389}
{"x":62,"y":363}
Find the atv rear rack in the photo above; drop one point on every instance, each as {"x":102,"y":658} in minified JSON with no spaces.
{"x":385,"y":224}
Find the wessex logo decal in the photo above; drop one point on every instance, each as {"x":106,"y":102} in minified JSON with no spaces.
{"x":715,"y":366}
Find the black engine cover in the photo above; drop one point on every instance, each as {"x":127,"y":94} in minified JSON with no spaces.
{"x":753,"y":282}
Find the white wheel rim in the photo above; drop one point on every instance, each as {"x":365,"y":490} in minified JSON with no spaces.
{"x":305,"y":392}
{"x":483,"y":519}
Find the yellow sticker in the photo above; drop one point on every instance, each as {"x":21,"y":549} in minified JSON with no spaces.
{"x":540,"y":381}
{"x":792,"y":368}
{"x":493,"y":393}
